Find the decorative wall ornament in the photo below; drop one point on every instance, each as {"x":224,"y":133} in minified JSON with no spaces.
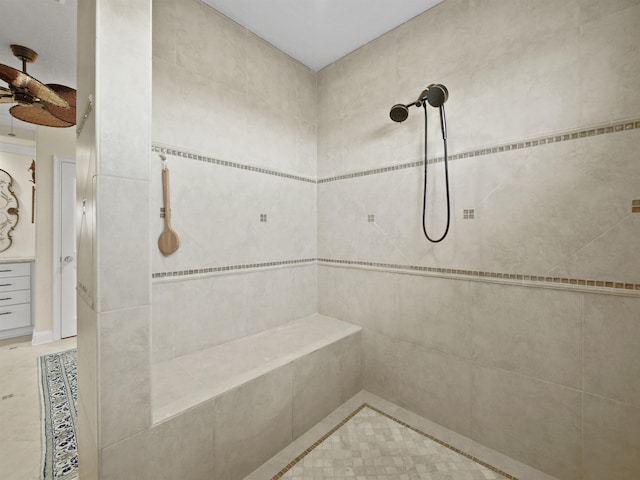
{"x":32,"y":169}
{"x":8,"y":210}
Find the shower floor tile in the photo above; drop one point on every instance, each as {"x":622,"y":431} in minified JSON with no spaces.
{"x":369,"y":444}
{"x":369,"y":438}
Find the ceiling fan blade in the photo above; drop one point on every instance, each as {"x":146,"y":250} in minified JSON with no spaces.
{"x":6,"y":95}
{"x":39,"y":90}
{"x":69,"y":95}
{"x":37,"y":115}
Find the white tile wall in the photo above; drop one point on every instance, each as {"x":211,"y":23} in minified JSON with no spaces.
{"x":221,"y":92}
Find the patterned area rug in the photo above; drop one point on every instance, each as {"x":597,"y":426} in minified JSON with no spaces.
{"x":369,"y":444}
{"x":59,"y":397}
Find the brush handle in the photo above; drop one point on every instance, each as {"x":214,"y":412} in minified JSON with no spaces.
{"x":169,"y":241}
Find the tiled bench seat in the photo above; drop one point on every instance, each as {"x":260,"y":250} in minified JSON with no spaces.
{"x":265,"y":389}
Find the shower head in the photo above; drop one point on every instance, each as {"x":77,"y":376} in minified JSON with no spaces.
{"x":437,"y":94}
{"x":399,"y":113}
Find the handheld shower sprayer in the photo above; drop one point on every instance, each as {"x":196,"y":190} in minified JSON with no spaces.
{"x":435,"y":95}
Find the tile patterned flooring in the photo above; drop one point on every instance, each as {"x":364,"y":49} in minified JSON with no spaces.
{"x":369,"y":444}
{"x":20,"y":422}
{"x":356,"y":442}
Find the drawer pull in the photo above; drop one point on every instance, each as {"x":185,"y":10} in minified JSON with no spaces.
{"x":5,"y":313}
{"x":6,"y":284}
{"x":8,"y":298}
{"x":2,"y":271}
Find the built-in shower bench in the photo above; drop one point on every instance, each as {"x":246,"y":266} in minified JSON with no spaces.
{"x":323,"y":354}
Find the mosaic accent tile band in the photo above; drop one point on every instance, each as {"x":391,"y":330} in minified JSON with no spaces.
{"x":224,"y":163}
{"x":226,"y":268}
{"x":358,"y":446}
{"x":493,"y":275}
{"x":612,"y":127}
{"x":515,"y":278}
{"x":542,"y":140}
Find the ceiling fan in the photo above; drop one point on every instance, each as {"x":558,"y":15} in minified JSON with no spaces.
{"x":51,"y":105}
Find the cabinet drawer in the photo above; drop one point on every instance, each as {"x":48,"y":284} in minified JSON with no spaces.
{"x":8,"y":284}
{"x":14,"y":298}
{"x":15,"y":316}
{"x":15,"y":270}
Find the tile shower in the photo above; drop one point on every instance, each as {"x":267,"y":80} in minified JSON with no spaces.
{"x":518,"y":331}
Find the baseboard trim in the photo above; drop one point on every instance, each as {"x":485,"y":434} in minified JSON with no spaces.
{"x":39,"y":338}
{"x":15,"y":332}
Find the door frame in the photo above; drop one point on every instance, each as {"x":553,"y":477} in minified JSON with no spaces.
{"x":57,"y":244}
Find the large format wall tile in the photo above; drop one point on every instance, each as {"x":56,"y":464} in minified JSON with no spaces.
{"x":207,"y":312}
{"x":544,"y":235}
{"x":610,"y":64}
{"x":611,"y":353}
{"x":591,"y":10}
{"x":274,"y":297}
{"x":371,"y":300}
{"x":211,"y":44}
{"x":123,"y":263}
{"x":216,"y":211}
{"x":380,"y":365}
{"x":333,"y":300}
{"x":198,"y":313}
{"x":253,"y":423}
{"x":532,"y":331}
{"x":611,"y":440}
{"x":435,"y":385}
{"x":435,"y":313}
{"x":162,"y":322}
{"x":317,"y":386}
{"x":538,"y":68}
{"x":178,"y":449}
{"x":124,"y":374}
{"x":87,"y":387}
{"x":606,"y":164}
{"x":239,"y":87}
{"x":535,"y":422}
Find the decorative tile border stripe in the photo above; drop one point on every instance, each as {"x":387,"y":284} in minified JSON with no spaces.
{"x":291,"y":464}
{"x":535,"y":142}
{"x":472,"y":274}
{"x":635,"y":287}
{"x":542,"y":140}
{"x":224,"y":163}
{"x":227,"y":268}
{"x":375,"y":171}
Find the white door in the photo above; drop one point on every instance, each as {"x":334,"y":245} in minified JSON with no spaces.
{"x":68,"y":326}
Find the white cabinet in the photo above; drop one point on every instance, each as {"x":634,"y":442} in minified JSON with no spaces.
{"x":15,"y":299}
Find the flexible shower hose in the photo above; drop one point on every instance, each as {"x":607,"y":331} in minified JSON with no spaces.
{"x":446,"y":176}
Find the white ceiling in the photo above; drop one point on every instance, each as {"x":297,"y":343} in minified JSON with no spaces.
{"x":318,"y":32}
{"x":315,"y":32}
